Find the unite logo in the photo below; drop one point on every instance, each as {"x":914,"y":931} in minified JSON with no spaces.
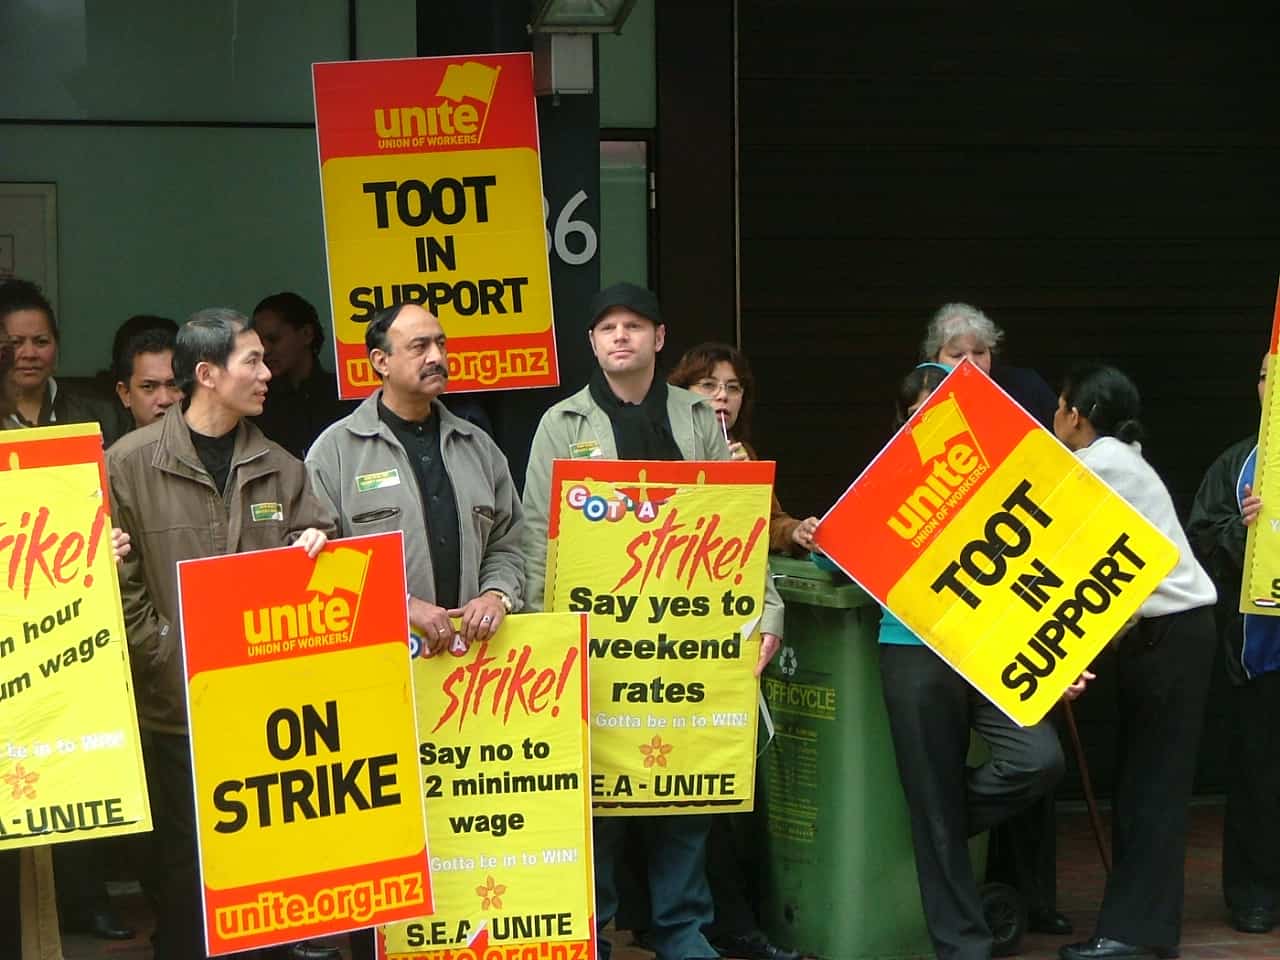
{"x":323,"y":620}
{"x":455,"y":119}
{"x":361,"y":373}
{"x":952,"y":463}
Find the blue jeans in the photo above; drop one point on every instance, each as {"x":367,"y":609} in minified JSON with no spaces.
{"x":678,"y":890}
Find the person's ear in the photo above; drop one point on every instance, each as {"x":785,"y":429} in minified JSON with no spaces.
{"x":205,"y":374}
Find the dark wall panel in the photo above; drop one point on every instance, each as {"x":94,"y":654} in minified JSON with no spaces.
{"x":1104,"y":183}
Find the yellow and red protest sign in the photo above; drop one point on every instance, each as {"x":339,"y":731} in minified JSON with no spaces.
{"x":504,"y":759}
{"x":304,"y":742}
{"x":1260,"y":585}
{"x":995,"y":545}
{"x":669,"y":559}
{"x":70,"y":758}
{"x":433,"y":195}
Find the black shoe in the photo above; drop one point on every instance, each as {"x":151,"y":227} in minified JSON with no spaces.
{"x":1103,"y":948}
{"x":1049,"y":921}
{"x":1253,"y":920}
{"x":755,"y":946}
{"x":102,"y":924}
{"x":314,"y":950}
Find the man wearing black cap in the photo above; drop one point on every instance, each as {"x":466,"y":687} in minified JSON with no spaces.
{"x":626,"y":412}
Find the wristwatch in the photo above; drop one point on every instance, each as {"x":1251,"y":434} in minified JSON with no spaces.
{"x":506,"y":601}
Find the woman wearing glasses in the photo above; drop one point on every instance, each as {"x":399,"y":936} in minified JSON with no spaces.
{"x":722,"y":374}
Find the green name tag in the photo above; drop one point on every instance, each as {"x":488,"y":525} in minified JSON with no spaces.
{"x":375,"y":481}
{"x":266,"y":511}
{"x":587,"y":448}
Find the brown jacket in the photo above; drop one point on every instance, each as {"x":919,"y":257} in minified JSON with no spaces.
{"x":163,"y":497}
{"x":781,"y":524}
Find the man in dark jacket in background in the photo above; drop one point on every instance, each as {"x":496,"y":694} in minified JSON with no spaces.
{"x":1251,"y":825}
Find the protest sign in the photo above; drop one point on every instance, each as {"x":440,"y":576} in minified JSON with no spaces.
{"x":1260,"y":585}
{"x":669,"y":559}
{"x":995,"y":545}
{"x":70,"y":758}
{"x":504,"y":757}
{"x":433,"y":195}
{"x":304,"y":742}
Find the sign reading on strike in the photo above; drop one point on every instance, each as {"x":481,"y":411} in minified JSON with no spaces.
{"x":433,"y":195}
{"x":669,"y":559}
{"x":1260,"y":585}
{"x":504,"y":769}
{"x":995,"y":545}
{"x":70,"y":758}
{"x":304,"y":742}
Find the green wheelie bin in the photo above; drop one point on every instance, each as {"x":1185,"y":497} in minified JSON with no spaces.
{"x":839,"y":878}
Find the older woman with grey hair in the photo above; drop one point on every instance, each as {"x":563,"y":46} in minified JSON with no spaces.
{"x":959,"y":331}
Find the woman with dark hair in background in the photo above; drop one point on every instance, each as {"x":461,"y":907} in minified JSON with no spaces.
{"x":1163,"y":668}
{"x":722,"y":374}
{"x":303,"y":396}
{"x":34,"y":398}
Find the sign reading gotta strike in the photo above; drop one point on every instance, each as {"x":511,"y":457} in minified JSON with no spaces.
{"x":433,"y":195}
{"x":504,"y":769}
{"x":995,"y":545}
{"x":304,"y":742}
{"x":670,"y":560}
{"x":70,"y":759}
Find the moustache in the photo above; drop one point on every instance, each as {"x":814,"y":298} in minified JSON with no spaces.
{"x":434,"y":370}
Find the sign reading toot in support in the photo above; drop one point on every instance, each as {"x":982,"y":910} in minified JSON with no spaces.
{"x":504,"y":757}
{"x":433,"y":195}
{"x":995,"y":545}
{"x":669,"y":559}
{"x":304,"y":742}
{"x":70,"y":758}
{"x":1260,"y":585}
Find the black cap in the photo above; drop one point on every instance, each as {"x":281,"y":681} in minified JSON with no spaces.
{"x":629,"y":295}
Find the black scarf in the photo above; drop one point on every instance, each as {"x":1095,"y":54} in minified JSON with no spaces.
{"x":641,"y":431}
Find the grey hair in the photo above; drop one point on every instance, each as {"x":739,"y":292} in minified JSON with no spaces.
{"x":955,"y":320}
{"x":208,"y":336}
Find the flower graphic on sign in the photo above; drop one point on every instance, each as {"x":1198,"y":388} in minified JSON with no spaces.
{"x":655,"y":751}
{"x":21,"y":781}
{"x":490,"y":894}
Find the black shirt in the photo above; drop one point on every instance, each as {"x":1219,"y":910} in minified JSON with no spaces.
{"x":293,"y":416}
{"x":421,"y":442}
{"x":215,"y":453}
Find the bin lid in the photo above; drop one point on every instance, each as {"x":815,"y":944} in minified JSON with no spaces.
{"x":802,"y":581}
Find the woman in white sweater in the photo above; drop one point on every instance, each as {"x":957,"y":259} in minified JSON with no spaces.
{"x":1164,"y":663}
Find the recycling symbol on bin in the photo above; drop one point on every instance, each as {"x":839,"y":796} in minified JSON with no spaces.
{"x":787,"y":661}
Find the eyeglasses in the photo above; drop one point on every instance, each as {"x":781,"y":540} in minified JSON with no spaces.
{"x":709,"y":386}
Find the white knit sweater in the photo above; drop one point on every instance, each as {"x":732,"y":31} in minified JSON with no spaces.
{"x":1123,"y":468}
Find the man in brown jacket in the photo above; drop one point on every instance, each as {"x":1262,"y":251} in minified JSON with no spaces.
{"x":202,"y":481}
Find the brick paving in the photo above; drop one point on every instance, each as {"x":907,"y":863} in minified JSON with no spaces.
{"x":1206,"y":933}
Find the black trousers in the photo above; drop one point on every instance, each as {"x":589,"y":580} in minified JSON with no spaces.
{"x":10,"y":907}
{"x":1164,"y":665}
{"x":80,"y":872}
{"x":1023,"y":852}
{"x":732,"y":868}
{"x":1251,"y":827}
{"x":931,"y":710}
{"x":179,"y":933}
